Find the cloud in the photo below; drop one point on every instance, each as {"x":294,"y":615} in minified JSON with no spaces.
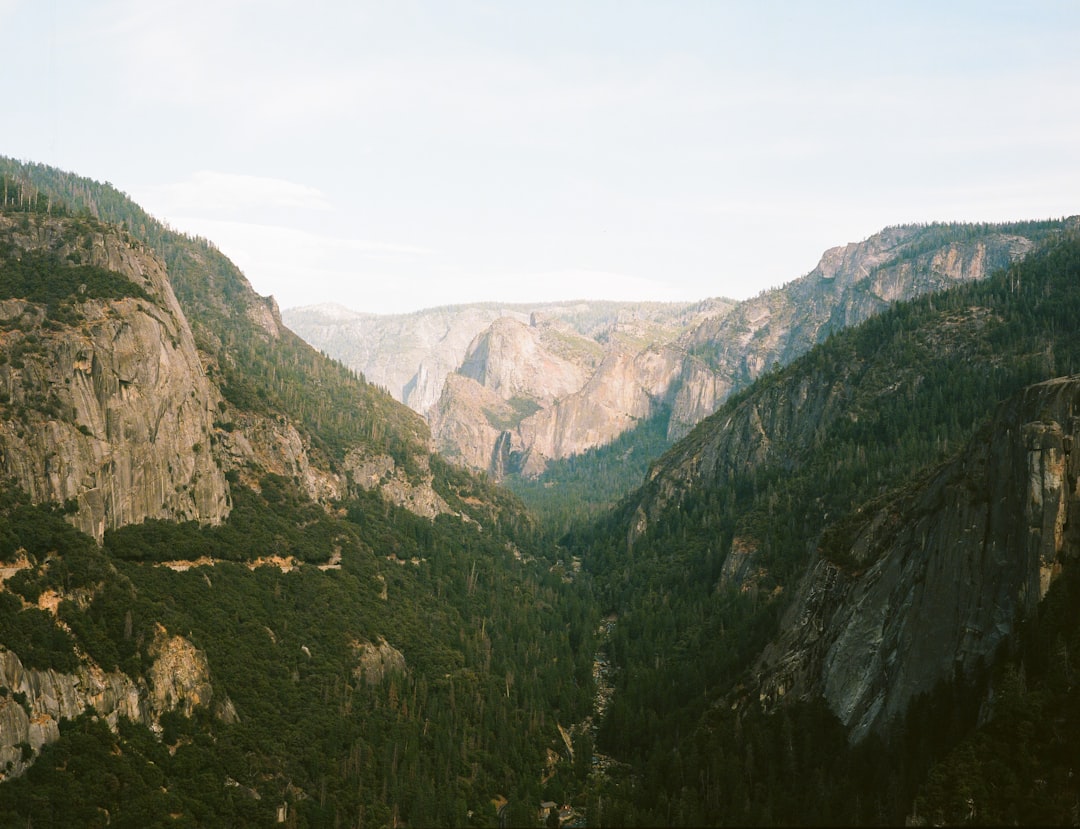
{"x":217,"y":192}
{"x":300,"y":267}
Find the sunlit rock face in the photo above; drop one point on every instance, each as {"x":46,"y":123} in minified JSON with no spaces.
{"x":850,"y":284}
{"x":569,"y":377}
{"x":35,"y":701}
{"x":113,"y":413}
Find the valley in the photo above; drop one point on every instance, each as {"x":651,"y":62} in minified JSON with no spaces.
{"x":808,"y":557}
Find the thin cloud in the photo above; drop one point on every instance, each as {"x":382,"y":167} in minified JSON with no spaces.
{"x":234,"y":193}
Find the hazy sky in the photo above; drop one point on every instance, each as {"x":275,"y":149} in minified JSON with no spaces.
{"x":397,"y":155}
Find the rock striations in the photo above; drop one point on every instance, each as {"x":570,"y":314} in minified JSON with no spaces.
{"x":535,"y":396}
{"x":114,"y":411}
{"x":111,"y":408}
{"x":35,"y":701}
{"x":934,"y":583}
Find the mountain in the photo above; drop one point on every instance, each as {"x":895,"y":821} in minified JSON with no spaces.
{"x":857,"y":547}
{"x":639,"y":363}
{"x":850,"y":284}
{"x":409,"y":355}
{"x":106,"y":403}
{"x":236,"y":585}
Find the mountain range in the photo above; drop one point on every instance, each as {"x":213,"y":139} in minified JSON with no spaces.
{"x":509,"y":389}
{"x":241,"y":583}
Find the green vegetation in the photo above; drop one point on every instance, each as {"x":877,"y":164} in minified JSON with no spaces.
{"x":496,"y":634}
{"x":520,"y":408}
{"x":574,"y":490}
{"x":44,"y":279}
{"x":497,"y":654}
{"x":259,"y":371}
{"x":913,"y":385}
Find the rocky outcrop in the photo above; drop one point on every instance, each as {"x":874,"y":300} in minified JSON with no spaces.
{"x":374,"y":661}
{"x":566,"y":363}
{"x":113,"y":413}
{"x":380,"y":472}
{"x":850,"y":284}
{"x":688,"y":359}
{"x":526,"y":395}
{"x":468,"y":423}
{"x":626,"y":389}
{"x":254,"y":445}
{"x":933,"y":583}
{"x":410,"y":355}
{"x":33,"y":701}
{"x":515,"y":360}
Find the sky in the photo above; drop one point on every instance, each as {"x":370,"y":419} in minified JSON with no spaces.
{"x":391,"y":156}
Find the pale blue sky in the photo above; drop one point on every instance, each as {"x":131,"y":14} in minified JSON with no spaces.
{"x":397,"y":155}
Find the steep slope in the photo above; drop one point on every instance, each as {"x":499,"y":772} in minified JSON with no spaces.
{"x":850,"y":284}
{"x":843,"y":534}
{"x":931,"y":584}
{"x":411,"y":355}
{"x":106,"y":404}
{"x":546,"y":392}
{"x":683,"y":360}
{"x":281,"y":407}
{"x":687,"y":379}
{"x":294,"y":611}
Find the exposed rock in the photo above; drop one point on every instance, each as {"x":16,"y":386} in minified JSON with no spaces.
{"x":941,"y":576}
{"x":256,"y":445}
{"x":35,"y":701}
{"x":374,"y":661}
{"x":116,"y":412}
{"x":179,"y":677}
{"x":381,"y":472}
{"x":850,"y":284}
{"x":518,"y":361}
{"x":688,"y":359}
{"x":626,"y":389}
{"x":410,"y":355}
{"x":469,"y":422}
{"x":741,"y":568}
{"x":575,"y":357}
{"x":263,"y":311}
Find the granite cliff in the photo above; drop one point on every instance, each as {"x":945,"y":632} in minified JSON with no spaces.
{"x":115,"y":404}
{"x":109,"y":407}
{"x":850,"y":284}
{"x":905,"y":492}
{"x":933,"y":584}
{"x":410,"y":355}
{"x":36,"y":700}
{"x":637,"y":362}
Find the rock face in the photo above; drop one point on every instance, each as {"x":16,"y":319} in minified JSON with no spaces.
{"x":34,"y":701}
{"x":114,"y":412}
{"x":525,"y":395}
{"x":380,"y":472}
{"x":940,"y":578}
{"x":850,"y":284}
{"x":685,"y":359}
{"x":111,"y":410}
{"x":626,"y":389}
{"x":410,"y":355}
{"x":374,"y":661}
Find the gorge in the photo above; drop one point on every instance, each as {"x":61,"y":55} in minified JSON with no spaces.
{"x":242,"y":583}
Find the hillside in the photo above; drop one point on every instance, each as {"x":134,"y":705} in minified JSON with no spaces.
{"x":236,"y":586}
{"x":585,"y":375}
{"x":846,"y":549}
{"x":411,"y":355}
